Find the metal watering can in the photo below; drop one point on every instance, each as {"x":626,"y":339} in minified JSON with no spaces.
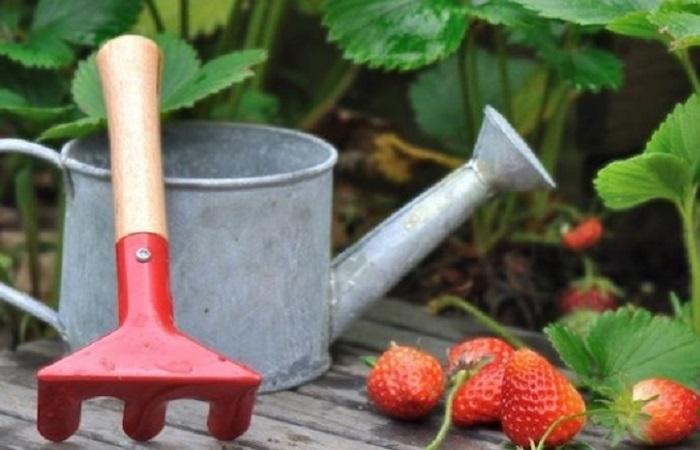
{"x":249,"y":217}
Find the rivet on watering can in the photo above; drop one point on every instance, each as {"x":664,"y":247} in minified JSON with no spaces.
{"x":143,"y":255}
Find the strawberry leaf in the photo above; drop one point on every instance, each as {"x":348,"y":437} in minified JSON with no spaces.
{"x":680,"y":22}
{"x":679,"y":135}
{"x":40,"y":49}
{"x":572,"y":350}
{"x":652,"y":176}
{"x":85,"y":22}
{"x":434,"y":91}
{"x":629,"y":345}
{"x":184,"y":81}
{"x":214,"y":76}
{"x":396,"y":34}
{"x":35,"y":95}
{"x":77,"y":128}
{"x":588,"y":12}
{"x":636,"y":24}
{"x":57,"y":23}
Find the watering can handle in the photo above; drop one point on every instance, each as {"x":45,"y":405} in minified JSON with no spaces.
{"x":129,"y":68}
{"x":8,"y":294}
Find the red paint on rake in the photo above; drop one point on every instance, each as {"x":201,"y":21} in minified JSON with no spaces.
{"x":146,"y":362}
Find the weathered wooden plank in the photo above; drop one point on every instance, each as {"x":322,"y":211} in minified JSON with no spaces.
{"x":19,"y":434}
{"x":331,"y":412}
{"x":97,"y":424}
{"x":187,"y":419}
{"x":451,"y":328}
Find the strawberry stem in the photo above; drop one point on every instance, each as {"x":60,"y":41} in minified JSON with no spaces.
{"x":451,"y":301}
{"x":458,"y":380}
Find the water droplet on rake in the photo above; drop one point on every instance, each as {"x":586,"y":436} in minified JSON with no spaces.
{"x":176,"y":366}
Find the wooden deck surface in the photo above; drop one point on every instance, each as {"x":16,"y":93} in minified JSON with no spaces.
{"x":330,"y":413}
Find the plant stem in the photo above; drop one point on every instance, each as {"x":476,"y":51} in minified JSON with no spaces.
{"x":274,"y":17}
{"x":155,"y":15}
{"x":452,"y":301}
{"x":464,"y":92}
{"x":502,"y":55}
{"x":26,"y":201}
{"x":687,"y":211}
{"x":226,"y":41}
{"x":473,"y":81}
{"x":550,"y":147}
{"x":184,"y":19}
{"x":687,"y":64}
{"x":337,"y":82}
{"x":252,"y":39}
{"x":58,"y":263}
{"x":457,"y":381}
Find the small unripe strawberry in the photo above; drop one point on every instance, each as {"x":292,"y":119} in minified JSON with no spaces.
{"x":478,"y":400}
{"x":673,"y":411}
{"x":535,"y":395}
{"x":406,"y":383}
{"x":593,"y":298}
{"x":584,"y":235}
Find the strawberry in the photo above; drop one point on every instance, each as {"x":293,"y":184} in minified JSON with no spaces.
{"x":478,"y":400}
{"x":406,"y":383}
{"x":673,"y":411}
{"x":584,"y":235}
{"x":593,"y":298}
{"x":535,"y":395}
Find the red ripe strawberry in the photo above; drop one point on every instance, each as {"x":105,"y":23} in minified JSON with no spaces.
{"x":478,"y":400}
{"x":406,"y":383}
{"x":595,"y":298}
{"x":535,"y":395}
{"x":673,"y":411}
{"x":584,"y":235}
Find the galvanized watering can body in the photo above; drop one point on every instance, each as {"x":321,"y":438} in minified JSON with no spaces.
{"x":249,"y":222}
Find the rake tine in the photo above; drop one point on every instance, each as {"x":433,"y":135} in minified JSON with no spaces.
{"x":144,"y":420}
{"x":58,"y":412}
{"x":229,"y":418}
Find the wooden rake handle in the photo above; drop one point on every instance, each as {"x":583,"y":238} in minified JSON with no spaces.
{"x":129,"y":68}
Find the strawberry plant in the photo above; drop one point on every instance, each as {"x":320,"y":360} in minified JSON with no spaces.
{"x":535,"y":89}
{"x":667,"y":169}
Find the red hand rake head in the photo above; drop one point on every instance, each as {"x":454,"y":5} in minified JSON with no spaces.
{"x":146,"y":362}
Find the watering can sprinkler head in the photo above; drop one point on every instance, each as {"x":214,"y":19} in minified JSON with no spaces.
{"x":503,"y":158}
{"x":502,"y":161}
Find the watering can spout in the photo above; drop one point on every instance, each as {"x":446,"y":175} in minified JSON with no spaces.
{"x":501,"y":162}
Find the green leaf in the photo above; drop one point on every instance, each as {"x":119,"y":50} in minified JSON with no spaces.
{"x":85,"y":22}
{"x":80,"y":127}
{"x":213,"y":77}
{"x":87,"y":89}
{"x":683,"y":27}
{"x":41,"y":49}
{"x":58,"y":22}
{"x":501,"y":12}
{"x":630,"y":182}
{"x":396,"y":34}
{"x":572,"y":350}
{"x":258,"y":106}
{"x":184,"y":81}
{"x":435,"y":95}
{"x":591,"y":69}
{"x":629,"y":345}
{"x":635,"y":24}
{"x":204,"y":18}
{"x":35,"y":95}
{"x":679,"y":134}
{"x":588,"y":12}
